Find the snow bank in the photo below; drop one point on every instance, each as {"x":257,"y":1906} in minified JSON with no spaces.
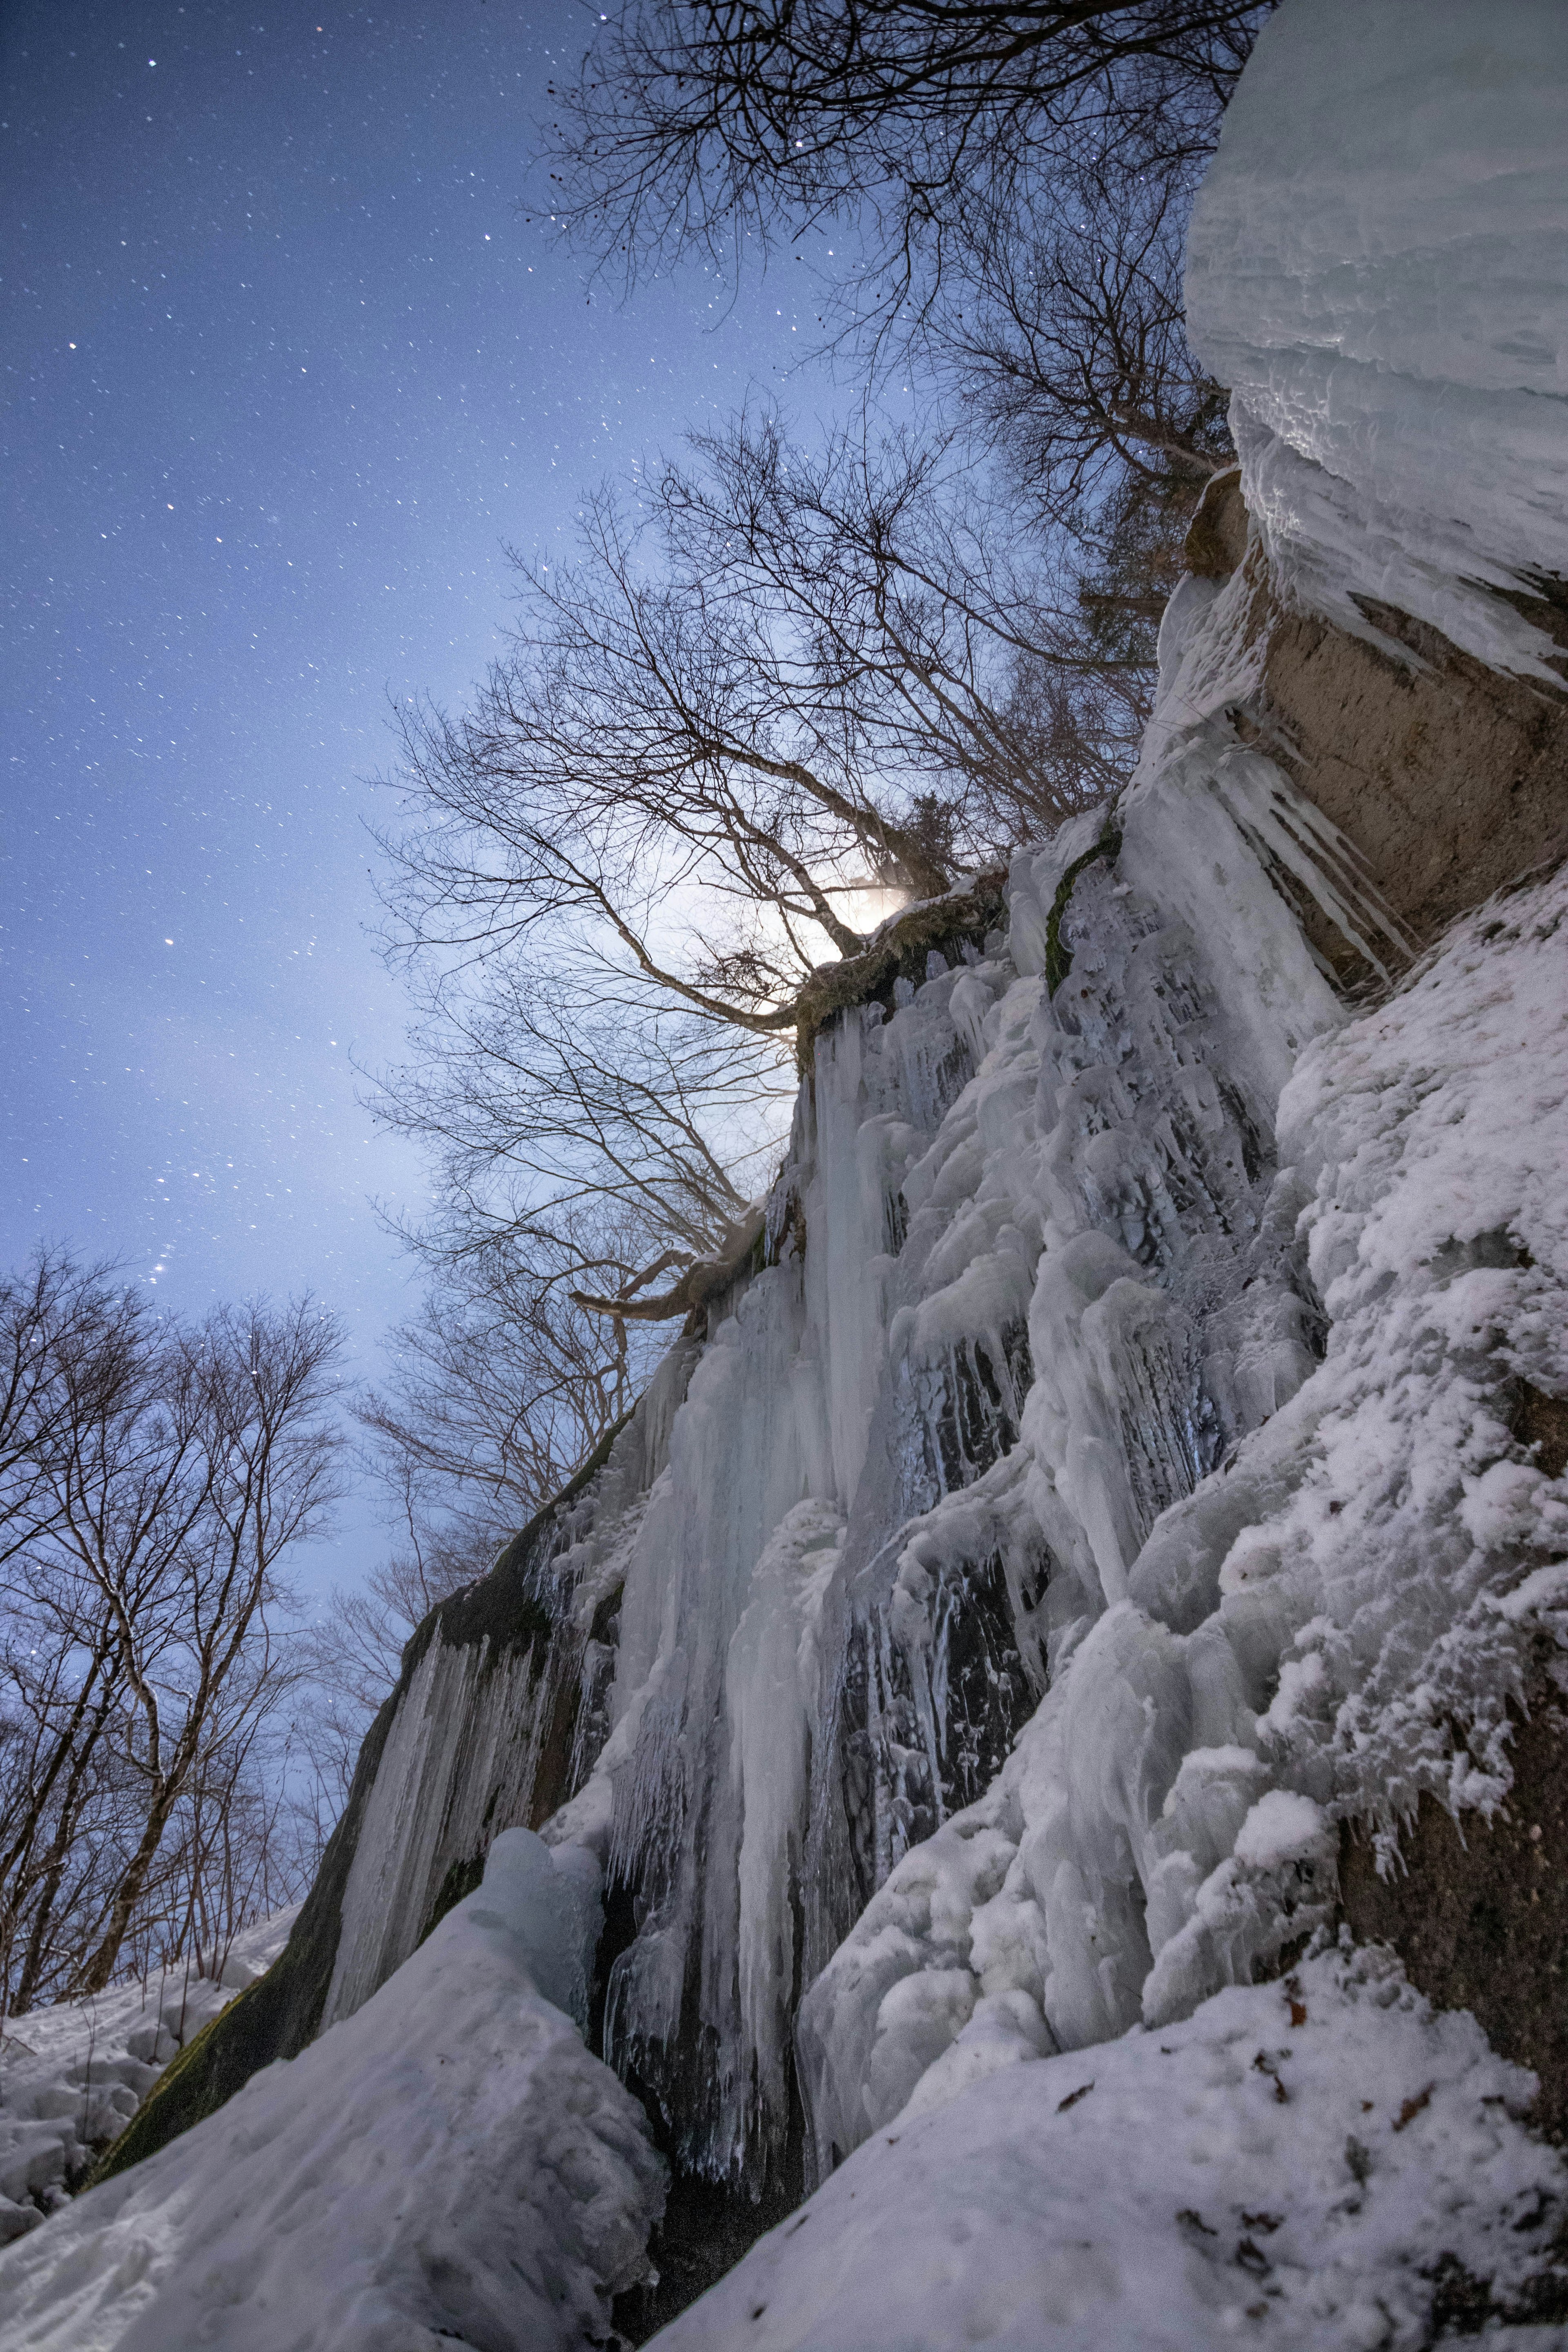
{"x":71,"y":2076}
{"x":1378,"y":269}
{"x":1325,"y":2161}
{"x":447,"y":2163}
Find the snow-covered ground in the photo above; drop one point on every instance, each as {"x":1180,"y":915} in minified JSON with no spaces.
{"x":1318,"y":2163}
{"x":71,"y":2076}
{"x":448,"y":2164}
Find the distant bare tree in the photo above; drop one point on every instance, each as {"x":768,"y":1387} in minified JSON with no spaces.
{"x":156,"y":1480}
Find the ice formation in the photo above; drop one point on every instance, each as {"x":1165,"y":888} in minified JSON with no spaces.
{"x":1378,"y":268}
{"x":1319,"y":2163}
{"x":1295,"y":1641}
{"x":448,"y":2164}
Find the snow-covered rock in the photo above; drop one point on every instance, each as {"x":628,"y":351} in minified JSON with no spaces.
{"x":1322,"y":2163}
{"x":73,"y":2076}
{"x":449,"y":2164}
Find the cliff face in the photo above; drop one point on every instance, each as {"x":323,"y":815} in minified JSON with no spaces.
{"x":1119,"y":1497}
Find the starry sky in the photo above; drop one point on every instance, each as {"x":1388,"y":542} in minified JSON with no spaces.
{"x":285,"y":365}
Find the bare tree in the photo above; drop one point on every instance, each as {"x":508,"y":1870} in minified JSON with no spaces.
{"x":1064,"y":333}
{"x":695,"y":124}
{"x":929,"y":636}
{"x":1006,"y":192}
{"x":790,"y":684}
{"x":163,"y":1472}
{"x":189,"y":1547}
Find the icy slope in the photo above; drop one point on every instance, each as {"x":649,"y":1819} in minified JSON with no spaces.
{"x":449,"y":2164}
{"x":73,"y":2076}
{"x":1321,"y":2163}
{"x":1378,"y":269}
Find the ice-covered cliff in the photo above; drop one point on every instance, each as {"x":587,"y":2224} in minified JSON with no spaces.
{"x":1121,"y":1495}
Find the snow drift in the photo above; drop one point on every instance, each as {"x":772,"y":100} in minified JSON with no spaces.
{"x":72,"y":2074}
{"x":1324,"y":2162}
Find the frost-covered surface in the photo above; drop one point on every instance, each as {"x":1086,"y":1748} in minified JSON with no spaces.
{"x":71,"y":2076}
{"x":1298,"y":1638}
{"x":1378,"y":269}
{"x":449,"y":2163}
{"x":464,"y":1747}
{"x":1314,"y":2164}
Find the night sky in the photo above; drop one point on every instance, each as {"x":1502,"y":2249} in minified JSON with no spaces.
{"x":285,"y":365}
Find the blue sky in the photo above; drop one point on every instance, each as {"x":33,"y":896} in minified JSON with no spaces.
{"x":285,"y":366}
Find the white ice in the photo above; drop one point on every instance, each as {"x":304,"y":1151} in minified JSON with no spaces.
{"x":447,"y":2164}
{"x":1378,"y":270}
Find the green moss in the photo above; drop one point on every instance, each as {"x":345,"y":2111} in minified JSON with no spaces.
{"x":181,"y":2091}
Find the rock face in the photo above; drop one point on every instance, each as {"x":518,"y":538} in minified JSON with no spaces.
{"x":1444,"y":775}
{"x":1478,"y":1909}
{"x":1110,"y":1527}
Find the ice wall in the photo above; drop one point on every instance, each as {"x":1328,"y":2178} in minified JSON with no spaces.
{"x":1379,"y":271}
{"x":1031,"y":1284}
{"x":1028,"y":1278}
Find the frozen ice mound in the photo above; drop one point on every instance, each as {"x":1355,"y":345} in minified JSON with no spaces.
{"x":449,"y":2163}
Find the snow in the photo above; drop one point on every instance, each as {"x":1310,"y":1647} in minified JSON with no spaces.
{"x":447,"y":2163}
{"x":1306,"y":2163}
{"x":71,"y":2076}
{"x":1296,"y":1639}
{"x":1378,"y":270}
